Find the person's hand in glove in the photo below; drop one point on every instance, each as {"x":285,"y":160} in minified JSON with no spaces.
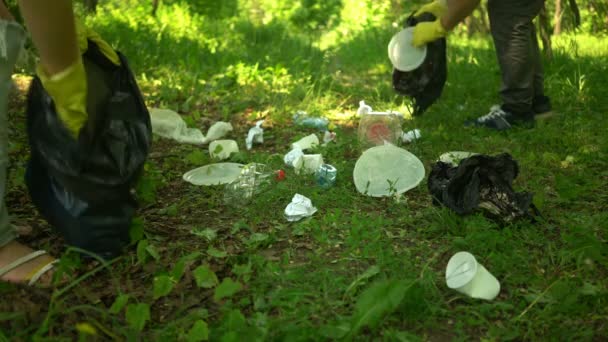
{"x":448,"y":12}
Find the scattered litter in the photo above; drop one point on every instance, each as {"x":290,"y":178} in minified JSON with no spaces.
{"x":308,"y":163}
{"x":483,"y":183}
{"x":306,"y":143}
{"x":467,"y":276}
{"x":222,"y":149}
{"x":378,"y":128}
{"x":328,"y":137}
{"x":214,"y":174}
{"x":453,"y":158}
{"x":301,"y":118}
{"x":411,"y":136}
{"x":387,"y":170}
{"x":299,"y":208}
{"x":255,"y":135}
{"x":217,"y":131}
{"x":251,"y":180}
{"x":292,"y":156}
{"x":169,"y":124}
{"x":326,"y":176}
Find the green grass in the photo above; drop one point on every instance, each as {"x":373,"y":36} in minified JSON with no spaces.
{"x":361,"y":268}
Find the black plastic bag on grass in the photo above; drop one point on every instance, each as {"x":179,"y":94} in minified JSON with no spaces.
{"x":84,"y":187}
{"x":482,"y":183}
{"x":425,"y":83}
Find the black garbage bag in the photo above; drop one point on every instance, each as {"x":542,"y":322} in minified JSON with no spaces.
{"x":482,"y":183}
{"x":425,"y":83}
{"x":84,"y":187}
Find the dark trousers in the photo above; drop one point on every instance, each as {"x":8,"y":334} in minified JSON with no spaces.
{"x":518,"y":53}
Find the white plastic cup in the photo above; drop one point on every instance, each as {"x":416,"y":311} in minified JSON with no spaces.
{"x":308,"y":163}
{"x":306,"y":143}
{"x":467,"y":276}
{"x":227,"y":147}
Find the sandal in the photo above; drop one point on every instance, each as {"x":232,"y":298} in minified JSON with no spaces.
{"x":36,"y":274}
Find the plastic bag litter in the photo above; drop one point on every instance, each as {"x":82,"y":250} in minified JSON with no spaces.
{"x":482,"y":183}
{"x":328,"y":137}
{"x":84,"y":187}
{"x":411,"y":136}
{"x":169,"y":124}
{"x":299,"y":208}
{"x":255,"y":135}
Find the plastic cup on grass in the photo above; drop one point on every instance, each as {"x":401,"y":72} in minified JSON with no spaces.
{"x":467,"y":276}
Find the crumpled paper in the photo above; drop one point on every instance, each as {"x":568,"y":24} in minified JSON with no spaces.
{"x":299,"y":208}
{"x":410,"y":136}
{"x":255,"y":135}
{"x":169,"y":124}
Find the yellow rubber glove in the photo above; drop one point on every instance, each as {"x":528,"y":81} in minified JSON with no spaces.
{"x":68,"y":88}
{"x":427,"y":32}
{"x":437,"y":8}
{"x":84,"y":34}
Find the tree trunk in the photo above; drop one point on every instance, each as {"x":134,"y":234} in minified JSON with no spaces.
{"x":154,"y":7}
{"x":91,"y":5}
{"x":545,"y":32}
{"x":576,"y":12}
{"x":557,"y":18}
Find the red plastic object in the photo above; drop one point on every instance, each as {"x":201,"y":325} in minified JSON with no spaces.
{"x":280,"y":175}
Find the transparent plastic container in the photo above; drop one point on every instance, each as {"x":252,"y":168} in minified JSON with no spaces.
{"x":379,"y":128}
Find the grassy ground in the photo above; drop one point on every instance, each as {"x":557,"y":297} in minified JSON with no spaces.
{"x":361,"y":268}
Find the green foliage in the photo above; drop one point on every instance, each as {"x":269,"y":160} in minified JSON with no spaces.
{"x":347,"y":272}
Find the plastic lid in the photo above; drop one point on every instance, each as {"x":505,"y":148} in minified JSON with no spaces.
{"x":214,"y":174}
{"x":461,"y":269}
{"x":403,"y":54}
{"x":387,"y":170}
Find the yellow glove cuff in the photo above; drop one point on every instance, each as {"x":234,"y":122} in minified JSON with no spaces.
{"x":437,"y":8}
{"x":427,"y":32}
{"x":68,"y":89}
{"x":84,"y":33}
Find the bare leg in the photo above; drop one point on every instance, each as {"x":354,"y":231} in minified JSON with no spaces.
{"x":11,"y":250}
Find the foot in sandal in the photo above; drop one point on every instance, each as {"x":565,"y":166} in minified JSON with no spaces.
{"x":21,"y":264}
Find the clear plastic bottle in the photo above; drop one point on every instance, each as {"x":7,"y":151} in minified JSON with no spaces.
{"x":254,"y":178}
{"x":302,"y":118}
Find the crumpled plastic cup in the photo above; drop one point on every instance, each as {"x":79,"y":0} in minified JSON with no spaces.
{"x":222,"y":149}
{"x":467,"y":276}
{"x":308,"y":163}
{"x":306,"y":143}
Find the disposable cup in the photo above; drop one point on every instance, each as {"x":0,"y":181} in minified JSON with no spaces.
{"x":308,"y":163}
{"x":306,"y":143}
{"x":467,"y":276}
{"x":222,"y":149}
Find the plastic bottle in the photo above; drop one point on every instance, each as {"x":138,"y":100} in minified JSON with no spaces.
{"x":254,"y":178}
{"x":301,"y":118}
